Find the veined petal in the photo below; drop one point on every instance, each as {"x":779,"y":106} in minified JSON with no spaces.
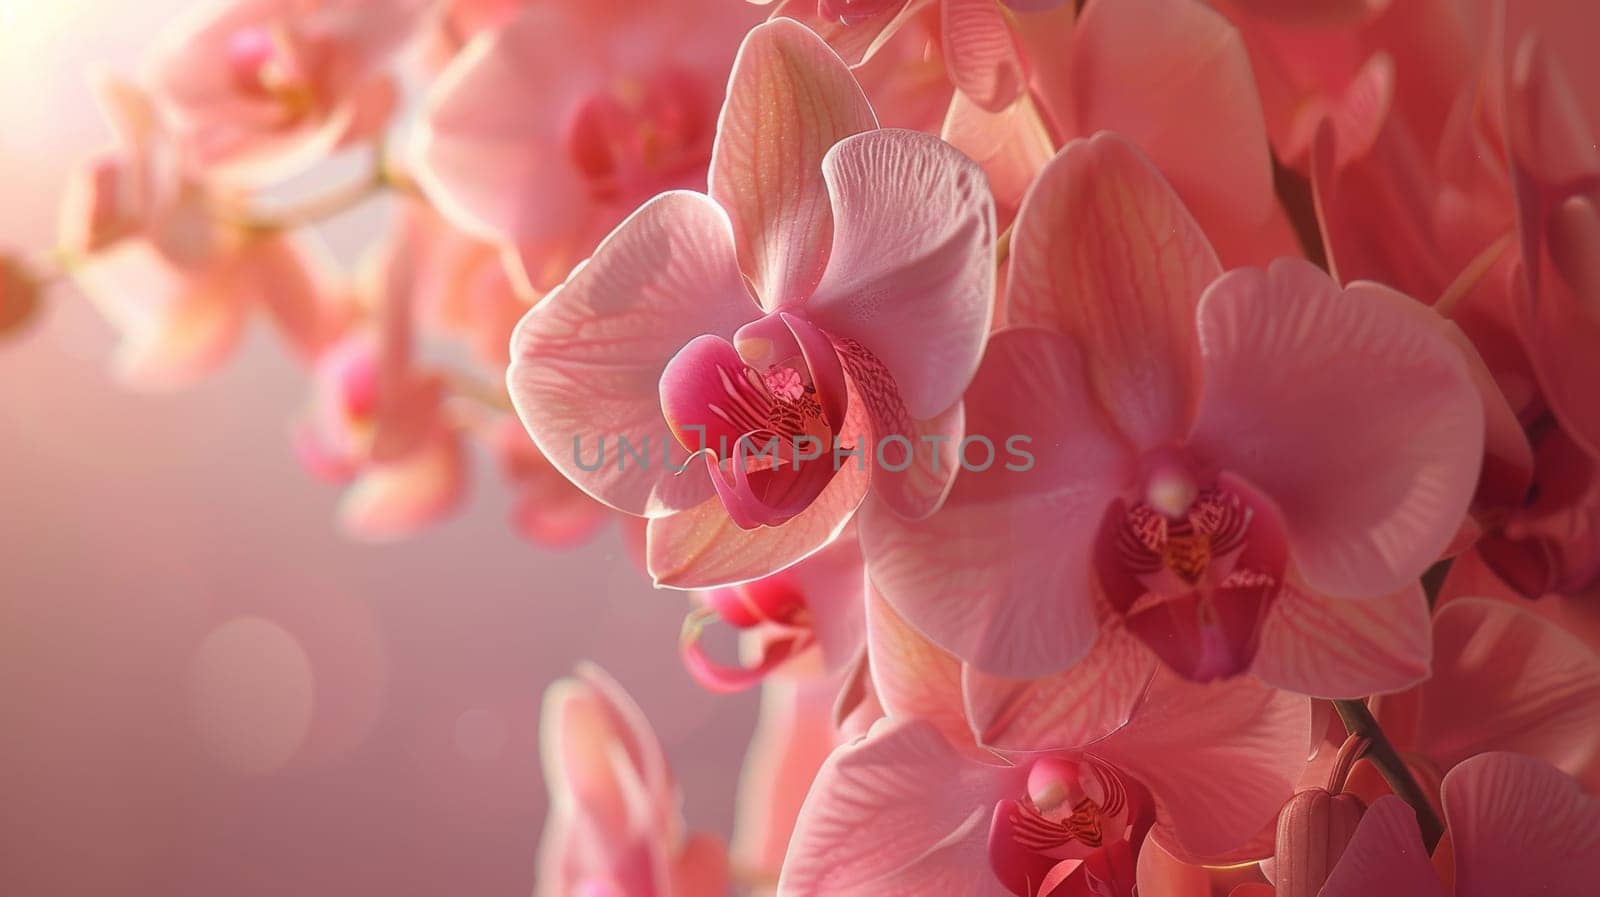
{"x":926,"y":805}
{"x":1373,"y":456}
{"x":980,"y":53}
{"x":790,"y":99}
{"x":587,"y":361}
{"x":1105,"y":252}
{"x":1001,"y":575}
{"x":1519,"y":826}
{"x":1085,"y":702}
{"x":1011,"y":145}
{"x":1219,"y":759}
{"x":1339,"y":648}
{"x":911,"y":676}
{"x":911,"y":273}
{"x":1507,"y":679}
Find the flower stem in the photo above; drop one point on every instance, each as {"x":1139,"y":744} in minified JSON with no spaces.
{"x":318,"y":208}
{"x":380,"y":177}
{"x":1358,"y":720}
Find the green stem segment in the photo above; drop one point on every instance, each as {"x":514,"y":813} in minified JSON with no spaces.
{"x":1358,"y":720}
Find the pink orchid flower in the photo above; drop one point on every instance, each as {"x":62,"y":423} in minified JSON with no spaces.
{"x":816,"y":607}
{"x":1495,"y":236}
{"x":385,"y":437}
{"x":614,"y":828}
{"x":1179,"y":490}
{"x":870,"y":256}
{"x":1200,"y":769}
{"x":981,"y":53}
{"x":258,"y":90}
{"x":162,"y":262}
{"x":1515,"y":826}
{"x":546,"y":131}
{"x":377,"y":418}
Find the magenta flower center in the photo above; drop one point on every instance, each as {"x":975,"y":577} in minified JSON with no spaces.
{"x":1173,"y":553}
{"x":264,"y":65}
{"x":766,"y":407}
{"x":1080,"y":825}
{"x":1193,"y":570}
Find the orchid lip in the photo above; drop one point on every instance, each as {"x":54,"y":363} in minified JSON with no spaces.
{"x":1073,"y":811}
{"x":1197,"y":586}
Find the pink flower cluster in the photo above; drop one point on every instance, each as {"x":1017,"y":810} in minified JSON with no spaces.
{"x":1143,"y":446}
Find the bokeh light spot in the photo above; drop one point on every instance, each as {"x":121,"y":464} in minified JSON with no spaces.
{"x":252,"y":689}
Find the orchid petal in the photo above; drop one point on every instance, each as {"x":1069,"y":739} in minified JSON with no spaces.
{"x":588,"y":359}
{"x":927,"y":806}
{"x":1011,"y":145}
{"x":1173,"y":78}
{"x":1385,"y":858}
{"x":498,"y":167}
{"x":1085,"y":702}
{"x":794,"y":735}
{"x":1104,"y":251}
{"x":1373,"y":457}
{"x":981,"y":55}
{"x":790,"y":99}
{"x":1000,"y":576}
{"x":1507,"y":679}
{"x":1338,"y":648}
{"x":912,"y":677}
{"x":911,"y":273}
{"x":1519,"y":826}
{"x":1219,"y":759}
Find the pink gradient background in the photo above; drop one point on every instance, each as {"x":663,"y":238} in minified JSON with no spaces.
{"x":371,"y":727}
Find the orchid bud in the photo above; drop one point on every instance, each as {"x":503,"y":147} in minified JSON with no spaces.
{"x":19,"y":294}
{"x":1313,"y":829}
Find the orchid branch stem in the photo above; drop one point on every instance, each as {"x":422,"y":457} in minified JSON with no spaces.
{"x":1358,"y":720}
{"x":380,"y":177}
{"x":318,"y":208}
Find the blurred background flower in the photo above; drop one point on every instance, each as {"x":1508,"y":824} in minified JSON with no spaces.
{"x":209,"y":689}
